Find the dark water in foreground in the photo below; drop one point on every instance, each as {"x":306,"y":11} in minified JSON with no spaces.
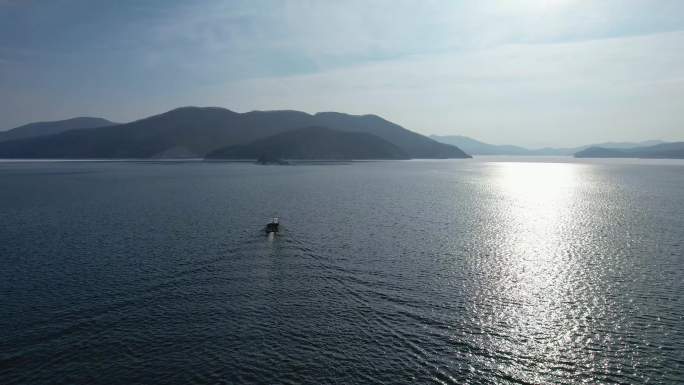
{"x":385,"y":272}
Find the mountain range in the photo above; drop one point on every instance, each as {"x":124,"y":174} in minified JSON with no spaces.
{"x":476,"y":147}
{"x":314,"y":143}
{"x":674,"y":150}
{"x":213,"y":132}
{"x":32,"y":130}
{"x":199,"y":131}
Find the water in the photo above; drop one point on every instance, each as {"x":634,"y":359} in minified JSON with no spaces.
{"x":468,"y":271}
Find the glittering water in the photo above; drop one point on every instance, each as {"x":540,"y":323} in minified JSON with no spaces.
{"x":473,"y":271}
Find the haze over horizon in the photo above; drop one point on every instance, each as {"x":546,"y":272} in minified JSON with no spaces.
{"x":532,"y":73}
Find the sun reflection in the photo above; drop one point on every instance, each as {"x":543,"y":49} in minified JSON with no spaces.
{"x":538,"y":199}
{"x":535,"y":271}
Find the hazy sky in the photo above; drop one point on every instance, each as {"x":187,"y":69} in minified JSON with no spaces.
{"x":545,"y":72}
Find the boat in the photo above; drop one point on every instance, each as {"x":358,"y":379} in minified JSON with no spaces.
{"x":272,"y":227}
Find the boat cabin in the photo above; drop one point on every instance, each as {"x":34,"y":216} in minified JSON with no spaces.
{"x":272,"y":227}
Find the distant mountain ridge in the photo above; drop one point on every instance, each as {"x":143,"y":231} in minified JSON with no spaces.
{"x":198,"y":131}
{"x":414,"y":144}
{"x":674,"y":150}
{"x":314,"y":143}
{"x":476,"y":147}
{"x":33,"y":130}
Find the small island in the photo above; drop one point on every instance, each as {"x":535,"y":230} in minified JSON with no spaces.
{"x":266,"y":159}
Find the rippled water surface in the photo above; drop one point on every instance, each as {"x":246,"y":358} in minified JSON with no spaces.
{"x":473,"y":271}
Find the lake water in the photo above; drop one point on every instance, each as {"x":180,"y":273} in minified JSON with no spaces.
{"x":491,"y":270}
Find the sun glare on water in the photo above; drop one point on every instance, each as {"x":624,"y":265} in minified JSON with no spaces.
{"x":537,"y":201}
{"x":542,"y":301}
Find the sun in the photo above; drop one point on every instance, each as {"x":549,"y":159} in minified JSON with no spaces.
{"x":536,"y":5}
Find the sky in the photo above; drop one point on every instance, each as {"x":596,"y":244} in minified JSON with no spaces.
{"x":525,"y":72}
